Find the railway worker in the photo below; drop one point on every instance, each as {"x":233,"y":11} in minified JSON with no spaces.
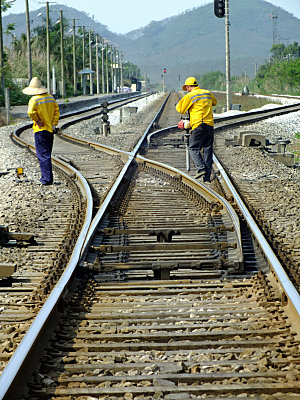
{"x":198,"y":103}
{"x":44,"y":112}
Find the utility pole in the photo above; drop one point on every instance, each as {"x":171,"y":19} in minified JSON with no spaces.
{"x":48,"y":47}
{"x":83,"y":54}
{"x":90,"y":57}
{"x":62,"y":56}
{"x":74,"y":60}
{"x":107,"y":79}
{"x":115,"y":71}
{"x":112,"y":68}
{"x":102,"y":66}
{"x":28,"y":43}
{"x":97,"y":65}
{"x":121,"y":72}
{"x":227,"y":50}
{"x":255,"y":68}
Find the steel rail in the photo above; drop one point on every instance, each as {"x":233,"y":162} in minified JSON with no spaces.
{"x":209,"y":194}
{"x":130,"y":97}
{"x":114,"y":188}
{"x":97,"y":107}
{"x":23,"y":351}
{"x":284,"y":280}
{"x":289,"y":289}
{"x":252,"y":116}
{"x":260,"y":114}
{"x":8,"y":376}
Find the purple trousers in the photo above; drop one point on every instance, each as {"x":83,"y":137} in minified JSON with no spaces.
{"x":43,"y":145}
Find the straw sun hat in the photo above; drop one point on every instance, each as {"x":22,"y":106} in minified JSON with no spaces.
{"x":35,"y":87}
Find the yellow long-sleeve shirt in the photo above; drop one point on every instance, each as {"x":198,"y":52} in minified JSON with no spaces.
{"x":43,"y":107}
{"x":199,"y":104}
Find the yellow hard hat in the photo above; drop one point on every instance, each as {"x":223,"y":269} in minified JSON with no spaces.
{"x":191,"y":81}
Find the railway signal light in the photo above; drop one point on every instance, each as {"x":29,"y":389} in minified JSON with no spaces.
{"x":219,"y":8}
{"x":104,"y":111}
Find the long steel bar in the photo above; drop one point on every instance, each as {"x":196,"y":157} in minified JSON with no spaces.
{"x":287,"y":285}
{"x":115,"y":186}
{"x":18,"y":358}
{"x":21,"y":353}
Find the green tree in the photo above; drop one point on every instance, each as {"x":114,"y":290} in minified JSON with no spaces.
{"x":281,"y":52}
{"x":214,"y":80}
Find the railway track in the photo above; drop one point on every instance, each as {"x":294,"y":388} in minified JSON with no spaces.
{"x":35,"y":258}
{"x":164,"y":303}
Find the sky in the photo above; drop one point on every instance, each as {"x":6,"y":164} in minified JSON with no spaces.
{"x":127,"y":15}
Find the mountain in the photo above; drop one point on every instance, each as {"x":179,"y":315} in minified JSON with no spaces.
{"x":38,"y":18}
{"x":194,"y":41}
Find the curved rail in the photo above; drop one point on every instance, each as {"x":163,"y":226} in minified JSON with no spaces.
{"x":24,"y":350}
{"x":121,"y":176}
{"x":290,"y":293}
{"x":289,"y":289}
{"x":209,"y":195}
{"x":111,"y":103}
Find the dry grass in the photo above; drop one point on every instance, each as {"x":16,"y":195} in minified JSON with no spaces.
{"x":247,"y":102}
{"x":2,"y":118}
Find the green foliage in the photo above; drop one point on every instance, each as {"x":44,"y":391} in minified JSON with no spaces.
{"x":212,"y":80}
{"x":16,"y":62}
{"x":282,"y":75}
{"x":278,"y":77}
{"x":281,"y":52}
{"x":6,"y":4}
{"x":17,"y":97}
{"x":10,"y":28}
{"x":297,"y":135}
{"x":130,"y":71}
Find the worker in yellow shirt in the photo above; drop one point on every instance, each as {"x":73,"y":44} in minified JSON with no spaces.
{"x":198,"y":104}
{"x":44,"y":112}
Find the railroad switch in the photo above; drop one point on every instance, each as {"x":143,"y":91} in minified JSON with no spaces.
{"x":164,"y":235}
{"x":12,"y":238}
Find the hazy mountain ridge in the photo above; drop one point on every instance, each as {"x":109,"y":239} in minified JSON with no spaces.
{"x":192,"y":42}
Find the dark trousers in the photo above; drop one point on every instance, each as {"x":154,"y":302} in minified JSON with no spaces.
{"x":43,"y":145}
{"x":202,"y":137}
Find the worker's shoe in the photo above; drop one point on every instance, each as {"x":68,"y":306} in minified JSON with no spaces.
{"x":200,"y":173}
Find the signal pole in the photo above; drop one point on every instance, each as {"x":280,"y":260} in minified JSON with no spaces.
{"x":62,"y":56}
{"x":74,"y":59}
{"x":48,"y":47}
{"x":221,"y":10}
